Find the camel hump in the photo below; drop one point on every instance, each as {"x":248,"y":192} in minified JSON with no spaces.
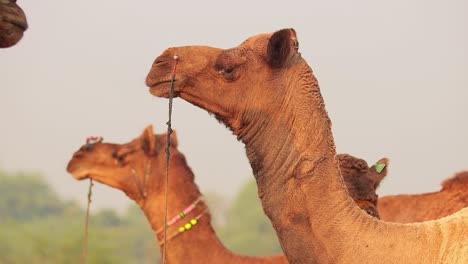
{"x":460,"y":179}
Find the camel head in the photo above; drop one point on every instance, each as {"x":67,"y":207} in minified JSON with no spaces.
{"x":259,"y":71}
{"x":137,"y":168}
{"x":362,"y":181}
{"x":12,"y":23}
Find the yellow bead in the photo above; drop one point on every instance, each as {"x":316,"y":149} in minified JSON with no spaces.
{"x":187,"y":226}
{"x":181,"y":229}
{"x":193,"y":221}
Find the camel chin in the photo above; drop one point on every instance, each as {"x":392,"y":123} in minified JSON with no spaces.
{"x":80,"y":174}
{"x":10,"y":37}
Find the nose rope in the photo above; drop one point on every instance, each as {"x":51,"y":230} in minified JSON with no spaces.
{"x":89,"y":142}
{"x":168,"y":153}
{"x":142,"y":187}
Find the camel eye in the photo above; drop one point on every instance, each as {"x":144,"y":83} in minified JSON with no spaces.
{"x":228,"y":73}
{"x":118,"y":158}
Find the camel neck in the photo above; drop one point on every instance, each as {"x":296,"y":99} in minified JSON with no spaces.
{"x":300,"y":185}
{"x":199,"y":244}
{"x":189,"y":246}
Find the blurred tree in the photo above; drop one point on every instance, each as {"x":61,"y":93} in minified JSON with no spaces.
{"x":36,"y":226}
{"x":247,"y":229}
{"x":26,"y":196}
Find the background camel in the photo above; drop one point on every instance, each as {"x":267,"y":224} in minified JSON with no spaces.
{"x":266,"y":93}
{"x":112,"y":164}
{"x":362,"y":182}
{"x":401,"y":208}
{"x":138,"y":168}
{"x":428,"y":206}
{"x":12,"y":23}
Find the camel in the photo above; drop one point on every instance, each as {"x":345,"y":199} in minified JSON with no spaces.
{"x":12,"y":23}
{"x":116,"y":165}
{"x":268,"y":96}
{"x":362,"y":182}
{"x":138,"y":168}
{"x":428,"y":206}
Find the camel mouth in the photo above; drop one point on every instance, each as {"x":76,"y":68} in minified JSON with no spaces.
{"x":77,"y":172}
{"x":162,"y":88}
{"x":22,"y":25}
{"x":80,"y":175}
{"x":15,"y":16}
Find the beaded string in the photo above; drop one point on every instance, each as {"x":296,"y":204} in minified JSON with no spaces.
{"x":185,"y":227}
{"x":182,"y":214}
{"x":93,"y":139}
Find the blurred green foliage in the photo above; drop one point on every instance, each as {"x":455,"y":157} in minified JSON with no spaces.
{"x":37,"y":226}
{"x":247,"y":230}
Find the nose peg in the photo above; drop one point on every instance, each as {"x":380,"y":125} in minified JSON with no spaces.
{"x":90,"y":141}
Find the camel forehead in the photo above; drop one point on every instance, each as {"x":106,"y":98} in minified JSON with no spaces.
{"x":257,"y":42}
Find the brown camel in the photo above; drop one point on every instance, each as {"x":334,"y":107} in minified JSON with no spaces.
{"x":112,"y":164}
{"x":138,"y":168}
{"x":428,"y":206}
{"x":266,"y":93}
{"x":362,"y":181}
{"x":12,"y":23}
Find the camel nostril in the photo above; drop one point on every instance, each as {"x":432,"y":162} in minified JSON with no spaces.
{"x":78,"y":154}
{"x":159,"y":62}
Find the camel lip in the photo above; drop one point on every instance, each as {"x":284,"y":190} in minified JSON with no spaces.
{"x":23,"y":25}
{"x":77,"y":172}
{"x":19,"y":19}
{"x":80,"y":175}
{"x":156,"y":83}
{"x":159,"y":90}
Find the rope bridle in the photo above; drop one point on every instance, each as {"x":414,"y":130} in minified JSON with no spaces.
{"x":84,"y":252}
{"x":168,"y":153}
{"x":89,"y":142}
{"x":142,"y":187}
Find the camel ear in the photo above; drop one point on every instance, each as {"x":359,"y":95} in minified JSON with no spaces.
{"x":148,"y":141}
{"x":282,"y":46}
{"x":378,"y":171}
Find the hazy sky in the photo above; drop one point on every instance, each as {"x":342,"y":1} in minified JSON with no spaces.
{"x":394,"y":75}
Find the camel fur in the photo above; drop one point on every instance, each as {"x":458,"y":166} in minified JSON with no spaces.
{"x":112,"y":164}
{"x":265,"y":92}
{"x":407,"y":208}
{"x":12,"y":23}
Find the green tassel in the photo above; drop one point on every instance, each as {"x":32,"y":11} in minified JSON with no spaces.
{"x":379,"y":167}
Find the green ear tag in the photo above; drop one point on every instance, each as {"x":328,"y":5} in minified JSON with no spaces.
{"x":379,"y":167}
